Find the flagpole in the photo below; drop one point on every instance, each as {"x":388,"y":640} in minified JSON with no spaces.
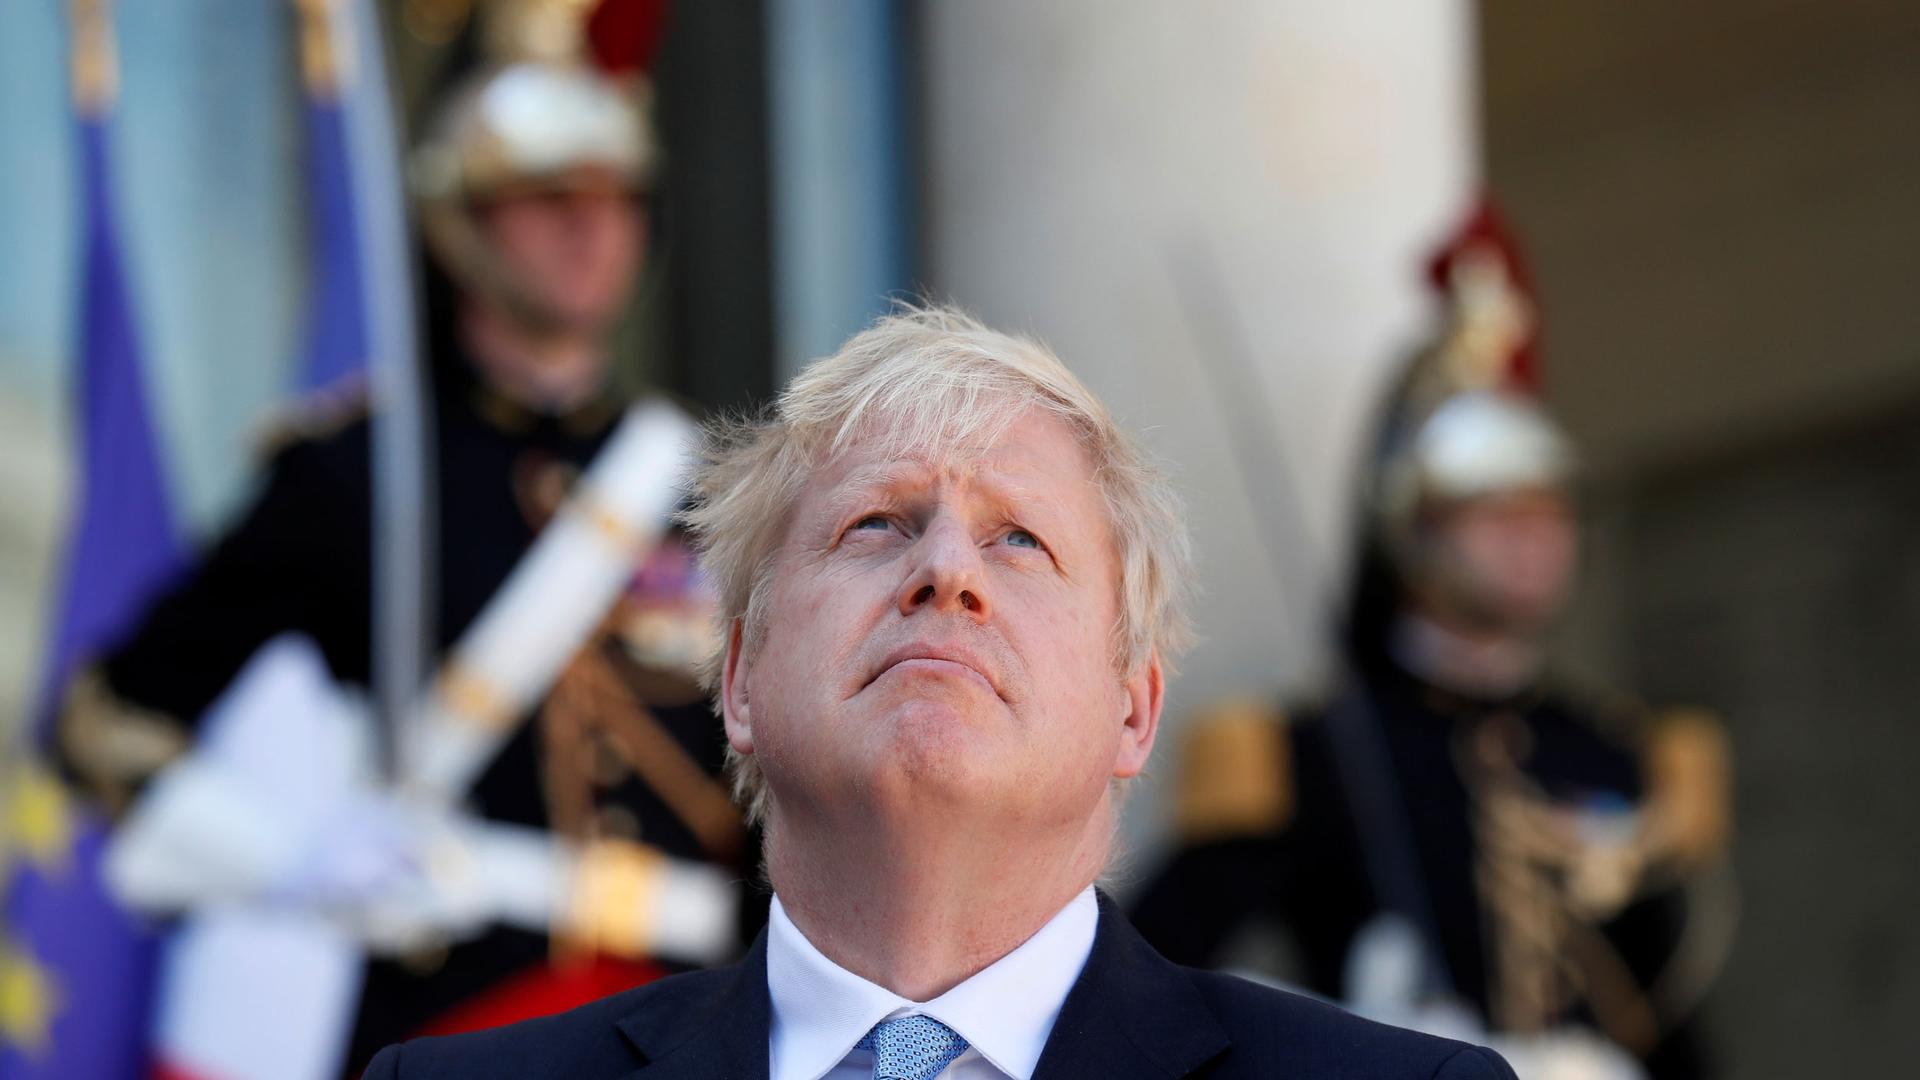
{"x":362,"y":333}
{"x":404,"y":492}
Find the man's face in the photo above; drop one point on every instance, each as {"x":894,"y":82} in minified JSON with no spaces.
{"x":577,"y":248}
{"x":1509,"y":559}
{"x":939,"y":639}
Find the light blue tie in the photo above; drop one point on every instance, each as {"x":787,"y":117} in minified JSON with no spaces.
{"x":911,"y":1048}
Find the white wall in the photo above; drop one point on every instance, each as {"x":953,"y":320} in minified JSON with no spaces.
{"x":1082,"y":155}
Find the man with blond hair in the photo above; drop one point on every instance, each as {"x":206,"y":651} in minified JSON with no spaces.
{"x":953,"y":588}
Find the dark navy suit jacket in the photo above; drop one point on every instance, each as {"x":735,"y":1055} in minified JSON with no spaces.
{"x":1131,"y":1014}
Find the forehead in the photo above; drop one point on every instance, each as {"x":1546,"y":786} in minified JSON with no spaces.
{"x":1031,"y":456}
{"x":1517,"y":502}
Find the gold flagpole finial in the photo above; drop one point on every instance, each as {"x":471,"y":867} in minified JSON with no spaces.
{"x":323,"y":67}
{"x":542,"y":31}
{"x":96,"y":62}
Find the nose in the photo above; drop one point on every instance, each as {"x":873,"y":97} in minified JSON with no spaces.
{"x":948,"y":574}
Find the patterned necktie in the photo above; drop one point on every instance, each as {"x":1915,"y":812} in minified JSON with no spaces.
{"x":911,"y":1048}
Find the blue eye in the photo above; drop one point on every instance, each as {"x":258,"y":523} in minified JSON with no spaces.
{"x":871,"y":521}
{"x":1023,"y":538}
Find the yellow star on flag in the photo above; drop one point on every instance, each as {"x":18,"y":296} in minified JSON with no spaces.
{"x":36,"y":818}
{"x":29,"y":999}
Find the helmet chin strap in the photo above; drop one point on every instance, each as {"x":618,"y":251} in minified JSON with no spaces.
{"x":1447,"y":594}
{"x":455,"y":238}
{"x":1492,"y":665}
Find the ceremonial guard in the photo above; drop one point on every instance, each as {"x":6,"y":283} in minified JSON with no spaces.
{"x":1451,"y":827}
{"x":564,"y":738}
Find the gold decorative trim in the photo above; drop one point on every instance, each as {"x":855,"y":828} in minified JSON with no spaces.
{"x":614,"y":892}
{"x":475,"y":698}
{"x":1492,"y":318}
{"x":607,"y":524}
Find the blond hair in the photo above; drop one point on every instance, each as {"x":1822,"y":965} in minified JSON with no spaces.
{"x":925,"y":379}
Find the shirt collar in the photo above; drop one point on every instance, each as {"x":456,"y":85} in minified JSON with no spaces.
{"x":1005,"y":1011}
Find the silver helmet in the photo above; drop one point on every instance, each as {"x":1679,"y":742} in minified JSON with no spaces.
{"x":522,"y":127}
{"x":533,"y":125}
{"x":1460,"y":425}
{"x":1473,"y":444}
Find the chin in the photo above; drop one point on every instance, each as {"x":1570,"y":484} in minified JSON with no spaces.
{"x":583,"y":319}
{"x":931,"y":748}
{"x":1530,"y":614}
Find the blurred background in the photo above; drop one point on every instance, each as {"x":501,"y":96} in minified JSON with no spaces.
{"x":1221,"y":215}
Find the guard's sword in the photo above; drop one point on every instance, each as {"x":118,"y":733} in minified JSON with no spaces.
{"x":548,"y":608}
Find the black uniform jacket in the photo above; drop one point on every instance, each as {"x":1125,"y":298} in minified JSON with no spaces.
{"x":301,"y":559}
{"x":1311,"y":876}
{"x":1132,"y":1013}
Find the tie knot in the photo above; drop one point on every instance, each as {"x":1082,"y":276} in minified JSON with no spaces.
{"x":912,"y":1048}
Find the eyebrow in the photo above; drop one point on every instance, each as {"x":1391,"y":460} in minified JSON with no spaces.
{"x":888,"y":478}
{"x":863,"y":484}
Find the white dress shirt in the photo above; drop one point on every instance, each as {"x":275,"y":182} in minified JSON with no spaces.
{"x":1005,"y":1011}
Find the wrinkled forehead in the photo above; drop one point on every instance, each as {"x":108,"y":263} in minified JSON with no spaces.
{"x":942,"y":425}
{"x":1003,"y":436}
{"x":1034,"y":470}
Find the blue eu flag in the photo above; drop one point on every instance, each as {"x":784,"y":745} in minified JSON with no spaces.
{"x":77,"y":971}
{"x":336,"y":338}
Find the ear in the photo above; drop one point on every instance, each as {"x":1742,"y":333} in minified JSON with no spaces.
{"x":1145,"y":690}
{"x":734,"y":707}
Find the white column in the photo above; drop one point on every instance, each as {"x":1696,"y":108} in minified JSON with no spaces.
{"x":1168,"y":193}
{"x":842,"y":216}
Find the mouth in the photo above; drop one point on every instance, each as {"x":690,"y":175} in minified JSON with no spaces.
{"x":937,"y":661}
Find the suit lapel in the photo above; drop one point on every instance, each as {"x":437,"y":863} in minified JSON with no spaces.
{"x":1131,"y":1013}
{"x":708,"y":1026}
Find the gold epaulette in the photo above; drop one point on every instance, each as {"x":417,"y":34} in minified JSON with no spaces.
{"x":112,"y":745}
{"x":1689,"y":770}
{"x":311,"y":418}
{"x":1236,"y":773}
